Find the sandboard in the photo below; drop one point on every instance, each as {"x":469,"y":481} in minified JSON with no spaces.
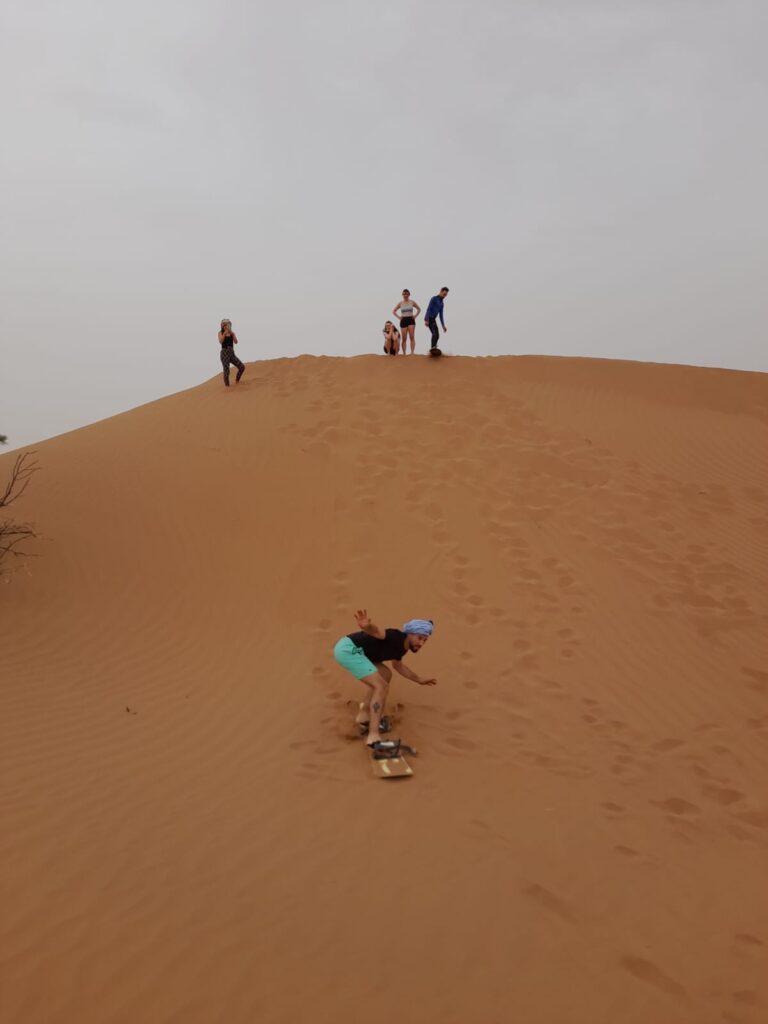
{"x":391,"y":768}
{"x":435,"y":352}
{"x":394,"y":767}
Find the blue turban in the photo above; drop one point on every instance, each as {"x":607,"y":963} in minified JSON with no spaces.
{"x":422,"y":627}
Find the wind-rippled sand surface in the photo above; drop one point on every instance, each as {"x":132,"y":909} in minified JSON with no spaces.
{"x":190,"y":831}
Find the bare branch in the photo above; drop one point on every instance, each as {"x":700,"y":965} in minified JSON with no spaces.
{"x":23,"y":469}
{"x":11,"y":535}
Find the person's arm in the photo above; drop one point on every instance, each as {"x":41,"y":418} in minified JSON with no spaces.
{"x":398,"y":666}
{"x":363,"y":621}
{"x":395,"y":310}
{"x":417,"y":307}
{"x":442,"y":321}
{"x":222,"y":336}
{"x":234,"y":336}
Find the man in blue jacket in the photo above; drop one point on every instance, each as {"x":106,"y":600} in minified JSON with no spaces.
{"x":435,"y":310}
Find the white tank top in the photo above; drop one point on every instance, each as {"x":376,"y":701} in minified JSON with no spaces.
{"x":406,"y":308}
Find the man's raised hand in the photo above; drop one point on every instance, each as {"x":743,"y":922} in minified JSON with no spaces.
{"x":362,"y":618}
{"x":427,"y":682}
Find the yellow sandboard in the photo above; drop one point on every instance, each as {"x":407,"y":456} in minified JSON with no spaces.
{"x":391,"y":767}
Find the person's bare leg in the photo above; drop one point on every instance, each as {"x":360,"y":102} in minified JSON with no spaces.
{"x":379,"y":686}
{"x":363,"y":715}
{"x":412,"y":333}
{"x":386,"y":674}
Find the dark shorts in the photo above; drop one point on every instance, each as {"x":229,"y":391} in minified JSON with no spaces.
{"x":407,"y":321}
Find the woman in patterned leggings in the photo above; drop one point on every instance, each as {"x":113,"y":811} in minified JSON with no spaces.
{"x":228,"y":340}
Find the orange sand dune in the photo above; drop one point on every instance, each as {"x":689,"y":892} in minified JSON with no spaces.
{"x":191,"y":833}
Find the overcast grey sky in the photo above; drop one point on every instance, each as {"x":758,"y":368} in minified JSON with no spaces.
{"x":588,"y":177}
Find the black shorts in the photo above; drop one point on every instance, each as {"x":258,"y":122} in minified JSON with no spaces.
{"x":407,"y":321}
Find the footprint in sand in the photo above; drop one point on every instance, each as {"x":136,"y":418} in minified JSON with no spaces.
{"x":553,"y":686}
{"x":744,"y":997}
{"x":459,"y":743}
{"x":758,"y":819}
{"x":676,"y":805}
{"x":647,"y":971}
{"x":480,"y":829}
{"x":549,"y":901}
{"x":758,"y":679}
{"x":721,"y":795}
{"x":667,"y":744}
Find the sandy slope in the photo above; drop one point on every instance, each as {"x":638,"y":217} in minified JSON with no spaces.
{"x":586,"y":835}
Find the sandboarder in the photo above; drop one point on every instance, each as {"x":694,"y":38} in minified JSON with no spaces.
{"x":363,"y":654}
{"x":435,"y":310}
{"x":228,"y":340}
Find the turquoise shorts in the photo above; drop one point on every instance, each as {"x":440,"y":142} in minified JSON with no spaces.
{"x":353,"y":659}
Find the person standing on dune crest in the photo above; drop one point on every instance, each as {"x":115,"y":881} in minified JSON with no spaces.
{"x":406,"y":312}
{"x":228,"y":340}
{"x":363,"y":654}
{"x":435,"y":310}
